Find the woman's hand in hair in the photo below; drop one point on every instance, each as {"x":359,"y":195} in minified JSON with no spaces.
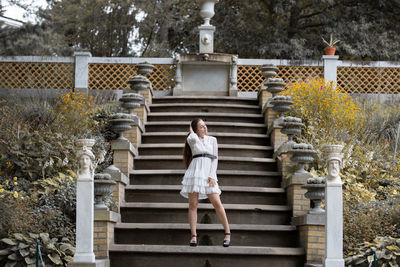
{"x":211,"y":181}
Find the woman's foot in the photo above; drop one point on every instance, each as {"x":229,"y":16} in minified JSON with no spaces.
{"x":227,"y":240}
{"x":193,"y":241}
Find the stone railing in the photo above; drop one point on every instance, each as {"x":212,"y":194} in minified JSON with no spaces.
{"x":96,"y":73}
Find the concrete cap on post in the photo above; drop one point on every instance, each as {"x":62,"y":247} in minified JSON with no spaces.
{"x":82,"y":70}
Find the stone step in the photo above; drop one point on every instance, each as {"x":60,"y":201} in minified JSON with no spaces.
{"x":208,"y":234}
{"x":146,"y":212}
{"x":234,"y":256}
{"x":224,"y":163}
{"x":225,"y":177}
{"x":216,"y":127}
{"x":222,"y":138}
{"x":223,"y":150}
{"x":230,"y":194}
{"x":206,"y":108}
{"x":205,"y":100}
{"x":216,"y":117}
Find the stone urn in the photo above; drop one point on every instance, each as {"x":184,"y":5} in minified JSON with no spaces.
{"x":131,"y":101}
{"x":102,"y":188}
{"x":274,"y":85}
{"x":281,"y":104}
{"x":291,"y":126}
{"x":89,"y":143}
{"x":139,"y":83}
{"x":269,"y":71}
{"x":302,"y":154}
{"x":145,"y":68}
{"x":121,"y":122}
{"x":316,"y":193}
{"x":207,"y":10}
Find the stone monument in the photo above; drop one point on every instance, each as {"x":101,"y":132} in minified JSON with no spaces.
{"x":206,"y":72}
{"x":334,"y":208}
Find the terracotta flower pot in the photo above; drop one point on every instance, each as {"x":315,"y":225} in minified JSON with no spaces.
{"x":330,"y":50}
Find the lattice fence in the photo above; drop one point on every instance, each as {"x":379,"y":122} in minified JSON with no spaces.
{"x":369,"y":80}
{"x":116,"y":76}
{"x":250,"y":78}
{"x":36,"y":75}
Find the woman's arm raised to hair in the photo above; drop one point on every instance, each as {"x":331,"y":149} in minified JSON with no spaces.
{"x":214,"y":162}
{"x":193,"y":138}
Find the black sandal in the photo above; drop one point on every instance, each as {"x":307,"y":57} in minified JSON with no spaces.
{"x":226,"y":242}
{"x":193,"y":244}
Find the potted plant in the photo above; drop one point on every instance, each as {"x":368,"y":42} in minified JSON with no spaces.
{"x":330,"y":49}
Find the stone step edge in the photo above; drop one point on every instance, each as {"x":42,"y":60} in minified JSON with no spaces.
{"x":252,"y":207}
{"x":220,"y":146}
{"x":232,"y":250}
{"x":221,"y":158}
{"x":210,"y":134}
{"x":245,"y":189}
{"x":203,"y":114}
{"x":237,"y":124}
{"x":162,"y":105}
{"x":219,"y":172}
{"x":201,"y":226}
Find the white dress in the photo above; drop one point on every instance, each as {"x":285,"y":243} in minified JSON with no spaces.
{"x":196,"y":176}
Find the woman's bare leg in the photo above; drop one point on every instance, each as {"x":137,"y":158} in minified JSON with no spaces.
{"x":219,"y":209}
{"x":193,"y":203}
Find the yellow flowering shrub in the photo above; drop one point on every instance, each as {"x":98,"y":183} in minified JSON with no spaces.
{"x":322,"y":107}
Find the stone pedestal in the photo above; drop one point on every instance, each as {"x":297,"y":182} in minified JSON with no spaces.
{"x":277,"y":137}
{"x":330,"y":67}
{"x":263,"y":96}
{"x":206,"y":74}
{"x":118,"y":191}
{"x":81,"y":83}
{"x":295,"y":193}
{"x":207,"y":38}
{"x":104,"y":222}
{"x":124,"y":153}
{"x":270,"y":116}
{"x":312,"y":237}
{"x":134,"y":135}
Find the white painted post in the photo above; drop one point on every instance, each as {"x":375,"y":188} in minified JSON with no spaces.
{"x":330,"y":67}
{"x":84,"y":203}
{"x":82,"y":71}
{"x":334,"y":208}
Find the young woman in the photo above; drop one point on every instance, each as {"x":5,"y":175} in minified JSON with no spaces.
{"x":200,"y":180}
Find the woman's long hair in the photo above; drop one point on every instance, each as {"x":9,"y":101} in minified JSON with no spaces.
{"x":187,"y":152}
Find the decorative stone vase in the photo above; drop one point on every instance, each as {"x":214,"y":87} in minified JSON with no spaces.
{"x":102,"y":188}
{"x":330,"y":50}
{"x":131,"y":101}
{"x":269,"y":71}
{"x":89,"y":143}
{"x":138,"y":83}
{"x":316,"y":193}
{"x":302,"y":154}
{"x":274,"y":85}
{"x":121,"y":122}
{"x":207,"y":10}
{"x":281,"y":104}
{"x":291,"y":127}
{"x":145,"y":68}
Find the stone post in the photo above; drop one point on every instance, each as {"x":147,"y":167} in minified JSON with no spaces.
{"x":124,"y":153}
{"x":334,"y":208}
{"x":82,"y":71}
{"x":85,"y":202}
{"x":330,"y":67}
{"x":207,"y":30}
{"x":104,"y":222}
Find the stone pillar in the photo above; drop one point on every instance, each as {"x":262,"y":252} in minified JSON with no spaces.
{"x":277,"y":137}
{"x":330,"y":67}
{"x":85,"y":202}
{"x":124,"y":153}
{"x":207,"y":30}
{"x":118,"y":191}
{"x":233,"y":90}
{"x":334,"y":207}
{"x":82,"y":71}
{"x":104,"y":222}
{"x":295,"y":193}
{"x":312,"y":237}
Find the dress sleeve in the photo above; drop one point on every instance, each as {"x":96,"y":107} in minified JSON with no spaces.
{"x":214,"y":162}
{"x":192,"y":139}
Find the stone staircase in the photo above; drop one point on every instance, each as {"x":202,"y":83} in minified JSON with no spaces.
{"x":154,"y":229}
